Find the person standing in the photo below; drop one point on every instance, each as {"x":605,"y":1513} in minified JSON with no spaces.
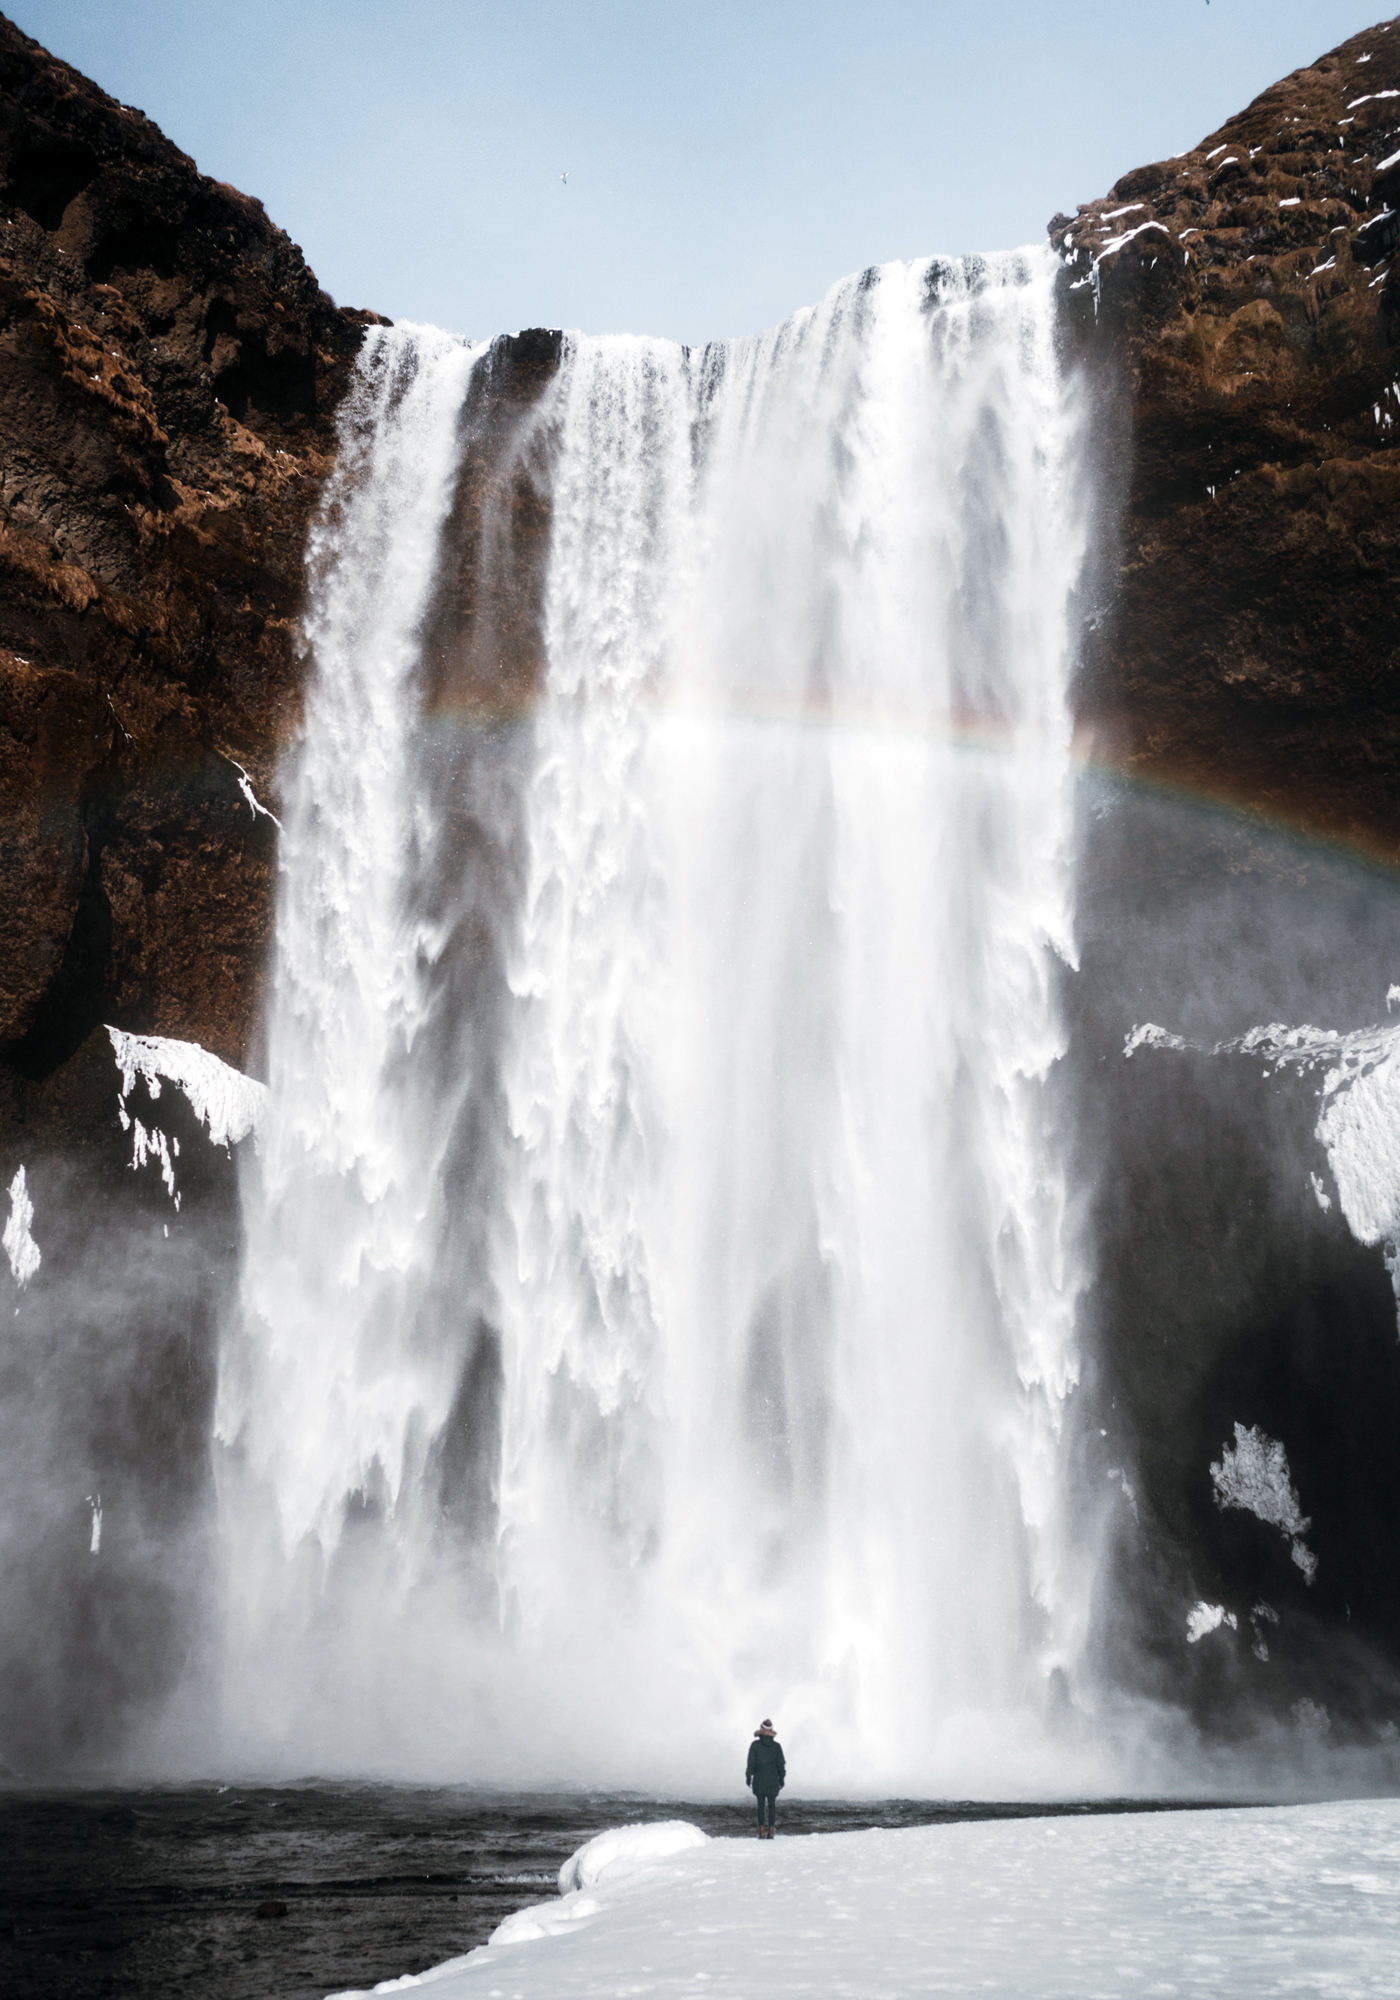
{"x":765,"y":1775}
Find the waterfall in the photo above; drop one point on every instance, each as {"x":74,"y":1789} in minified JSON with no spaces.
{"x":331,"y":1382}
{"x":755,"y":1314}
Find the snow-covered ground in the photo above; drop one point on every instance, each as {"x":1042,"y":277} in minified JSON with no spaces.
{"x":1294,"y":1900}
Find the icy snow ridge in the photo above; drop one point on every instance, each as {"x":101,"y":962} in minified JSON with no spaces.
{"x":625,"y":1848}
{"x":621,"y":1851}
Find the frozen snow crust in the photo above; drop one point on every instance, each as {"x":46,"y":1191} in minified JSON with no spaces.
{"x":1296,"y":1900}
{"x":624,"y":1849}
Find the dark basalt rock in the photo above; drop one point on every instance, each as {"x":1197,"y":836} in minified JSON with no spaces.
{"x":1241,"y":308}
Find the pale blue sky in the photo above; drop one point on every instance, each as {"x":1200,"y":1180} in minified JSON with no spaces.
{"x":727,"y":162}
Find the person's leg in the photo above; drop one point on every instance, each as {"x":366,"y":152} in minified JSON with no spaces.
{"x":758,"y":1801}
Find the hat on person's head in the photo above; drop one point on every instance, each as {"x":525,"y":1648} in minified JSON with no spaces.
{"x":765,"y":1726}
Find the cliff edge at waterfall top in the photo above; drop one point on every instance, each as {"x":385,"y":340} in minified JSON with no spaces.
{"x":1247,"y":298}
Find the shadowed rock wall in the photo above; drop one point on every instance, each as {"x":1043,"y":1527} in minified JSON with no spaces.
{"x":1237,"y":311}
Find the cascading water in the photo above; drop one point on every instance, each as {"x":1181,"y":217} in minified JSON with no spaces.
{"x":756,"y":1311}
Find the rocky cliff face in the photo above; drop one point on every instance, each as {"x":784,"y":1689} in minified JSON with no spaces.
{"x":1242,"y":304}
{"x":169,"y":374}
{"x":1238,"y":310}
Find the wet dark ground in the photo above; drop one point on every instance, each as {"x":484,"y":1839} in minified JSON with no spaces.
{"x":146,"y":1895}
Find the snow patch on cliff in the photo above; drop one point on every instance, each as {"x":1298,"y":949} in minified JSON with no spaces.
{"x":20,"y":1247}
{"x":227,"y":1104}
{"x":1115,"y":243}
{"x":251,"y":799}
{"x":1203,"y":1618}
{"x":1359,"y":1123}
{"x":1150,"y":1036}
{"x":1252,"y":1474}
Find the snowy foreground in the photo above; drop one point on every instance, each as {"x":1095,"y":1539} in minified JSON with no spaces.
{"x":1290,"y":1900}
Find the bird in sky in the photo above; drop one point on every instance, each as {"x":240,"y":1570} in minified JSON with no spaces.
{"x":564,"y":177}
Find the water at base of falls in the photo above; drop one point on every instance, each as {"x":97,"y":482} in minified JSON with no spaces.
{"x":659,"y":1291}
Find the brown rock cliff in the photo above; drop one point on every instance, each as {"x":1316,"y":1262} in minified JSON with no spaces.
{"x":169,"y":375}
{"x":1243,"y":301}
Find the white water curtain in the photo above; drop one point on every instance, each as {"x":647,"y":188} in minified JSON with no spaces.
{"x":775,"y":1244}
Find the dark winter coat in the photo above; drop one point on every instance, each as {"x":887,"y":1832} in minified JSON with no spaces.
{"x":766,"y":1771}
